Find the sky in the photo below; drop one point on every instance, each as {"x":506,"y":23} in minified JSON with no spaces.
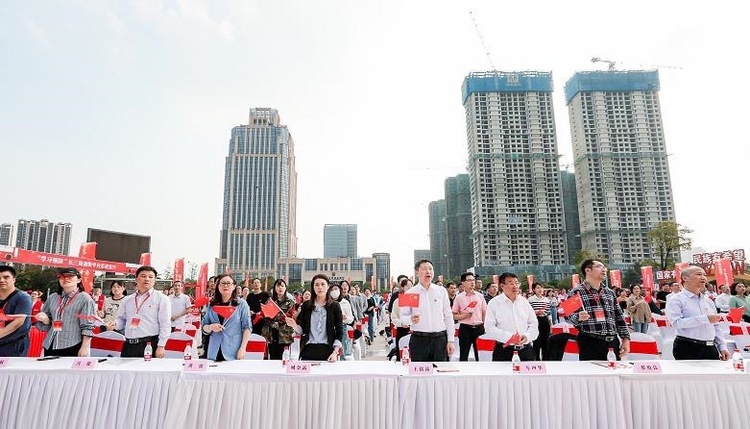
{"x":117,"y":115}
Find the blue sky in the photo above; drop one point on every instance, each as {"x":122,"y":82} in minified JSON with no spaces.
{"x":117,"y":115}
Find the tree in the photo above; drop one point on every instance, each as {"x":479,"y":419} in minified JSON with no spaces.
{"x":583,"y":255}
{"x":667,"y":238}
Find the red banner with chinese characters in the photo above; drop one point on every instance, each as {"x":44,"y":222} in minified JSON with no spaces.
{"x":530,"y":281}
{"x":647,"y":279}
{"x":88,"y":250}
{"x":145,"y":259}
{"x":22,"y":256}
{"x":678,"y":267}
{"x":200,"y":288}
{"x":87,"y":279}
{"x":615,"y":279}
{"x":178,"y":274}
{"x":724,"y":274}
{"x":576,"y":280}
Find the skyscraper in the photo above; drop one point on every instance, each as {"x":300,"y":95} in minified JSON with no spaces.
{"x":438,"y":237}
{"x":339,"y":240}
{"x":6,"y":234}
{"x":570,"y":203}
{"x":516,"y":208}
{"x":458,"y":225}
{"x":44,"y":236}
{"x":260,"y":196}
{"x":622,"y":173}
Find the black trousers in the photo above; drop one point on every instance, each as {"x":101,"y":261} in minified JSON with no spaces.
{"x":136,"y":350}
{"x":66,"y":352}
{"x":276,"y":351}
{"x":592,"y":348}
{"x":467,"y":337}
{"x":429,"y":347}
{"x":540,"y":344}
{"x":16,"y":348}
{"x":685,"y":350}
{"x":505,"y":354}
{"x":315,"y":352}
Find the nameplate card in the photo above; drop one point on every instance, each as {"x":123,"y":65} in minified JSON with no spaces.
{"x":197,"y":365}
{"x":647,"y":367}
{"x":298,"y":367}
{"x":4,"y":361}
{"x":533,"y":368}
{"x":84,"y":363}
{"x":420,"y":368}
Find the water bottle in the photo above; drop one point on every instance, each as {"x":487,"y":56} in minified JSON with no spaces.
{"x":147,"y":352}
{"x":285,"y":356}
{"x":188,"y":355}
{"x":405,"y":356}
{"x":738,"y":363}
{"x":516,"y":362}
{"x":611,"y":358}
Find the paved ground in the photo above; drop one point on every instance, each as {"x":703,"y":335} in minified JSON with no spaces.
{"x":379,"y":348}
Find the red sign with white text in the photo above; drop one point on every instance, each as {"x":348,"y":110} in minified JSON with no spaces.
{"x":145,"y":259}
{"x":615,"y":278}
{"x":200,"y":288}
{"x":88,"y":250}
{"x":179,"y":270}
{"x":724,"y":274}
{"x":647,"y":279}
{"x":23,"y":256}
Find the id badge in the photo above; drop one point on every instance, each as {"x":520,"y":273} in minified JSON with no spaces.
{"x":599,"y":315}
{"x":134,"y":322}
{"x":57,"y":325}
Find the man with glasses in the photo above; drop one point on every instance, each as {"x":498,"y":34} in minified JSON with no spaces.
{"x":511,"y":322}
{"x":145,"y":316}
{"x":469,"y":309}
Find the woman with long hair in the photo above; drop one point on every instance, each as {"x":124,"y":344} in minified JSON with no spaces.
{"x":639,"y":310}
{"x":319,"y":322}
{"x":347,"y":316}
{"x":739,"y":300}
{"x":541,"y":304}
{"x":229,"y":330}
{"x":275,"y":330}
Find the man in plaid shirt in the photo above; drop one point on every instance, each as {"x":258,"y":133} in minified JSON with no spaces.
{"x":600,"y":321}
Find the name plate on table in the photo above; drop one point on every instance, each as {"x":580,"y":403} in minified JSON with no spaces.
{"x":647,"y":367}
{"x":84,"y":363}
{"x":420,"y":368}
{"x":533,"y":368}
{"x":197,"y":365}
{"x":298,"y":367}
{"x":4,"y":361}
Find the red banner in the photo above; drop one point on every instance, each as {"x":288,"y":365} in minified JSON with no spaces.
{"x":615,"y":279}
{"x":22,"y":256}
{"x":530,"y":281}
{"x":200,"y":289}
{"x":145,"y":259}
{"x":647,"y":279}
{"x":576,"y":280}
{"x":724,"y":274}
{"x":87,"y":278}
{"x":178,"y":274}
{"x":88,"y":250}
{"x":678,"y":267}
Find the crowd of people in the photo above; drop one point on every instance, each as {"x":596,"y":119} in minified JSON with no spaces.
{"x":322,"y":317}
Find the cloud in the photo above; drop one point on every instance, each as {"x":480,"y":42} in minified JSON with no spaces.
{"x":36,"y":32}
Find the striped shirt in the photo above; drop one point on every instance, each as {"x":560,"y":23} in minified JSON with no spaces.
{"x":540,"y":305}
{"x":74,"y":328}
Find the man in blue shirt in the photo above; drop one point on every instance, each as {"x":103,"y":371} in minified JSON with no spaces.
{"x":695,"y":320}
{"x":14,"y":333}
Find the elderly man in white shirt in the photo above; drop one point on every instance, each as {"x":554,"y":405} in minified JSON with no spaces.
{"x":511,"y":321}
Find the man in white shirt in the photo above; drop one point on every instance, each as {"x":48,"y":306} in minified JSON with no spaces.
{"x":180,"y":304}
{"x":722,"y":301}
{"x":510,"y":315}
{"x":144,"y":316}
{"x":432,"y":321}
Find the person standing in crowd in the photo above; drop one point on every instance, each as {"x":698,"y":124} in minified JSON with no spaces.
{"x":306,"y":296}
{"x":674,"y":288}
{"x":432,"y":321}
{"x":402,"y":329}
{"x":661,"y":295}
{"x":739,"y":300}
{"x":371,"y":308}
{"x":639,"y":310}
{"x":14,"y":334}
{"x":347,"y":316}
{"x":541,"y":306}
{"x":508,"y":315}
{"x":257,"y":298}
{"x":319,"y":323}
{"x":722,"y":301}
{"x":112,"y":304}
{"x":553,"y":303}
{"x":469,"y":309}
{"x":145,"y":316}
{"x":601,"y":320}
{"x":211,"y":286}
{"x":695,"y":320}
{"x":452,"y":292}
{"x":67,"y":334}
{"x":228,"y":336}
{"x":98,"y":297}
{"x":180,"y":305}
{"x":36,"y":302}
{"x":491,"y":292}
{"x":277,"y":333}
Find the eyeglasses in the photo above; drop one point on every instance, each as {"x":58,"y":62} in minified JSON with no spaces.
{"x":227,"y":283}
{"x":469,"y":280}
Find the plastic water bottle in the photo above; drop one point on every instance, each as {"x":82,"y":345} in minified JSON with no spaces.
{"x":147,"y":352}
{"x":188,"y":355}
{"x":405,"y":356}
{"x":285,"y":356}
{"x":611,"y":358}
{"x":516,"y":362}
{"x":737,"y":362}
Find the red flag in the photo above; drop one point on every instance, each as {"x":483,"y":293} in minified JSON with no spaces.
{"x":576,"y":280}
{"x":270,"y":309}
{"x":735,"y":314}
{"x":145,"y":259}
{"x":87,"y":278}
{"x":678,"y":267}
{"x":514,"y":339}
{"x":530,"y":281}
{"x":179,"y":270}
{"x":87,"y":250}
{"x":202,"y":284}
{"x":570,"y":305}
{"x":472,"y":304}
{"x":648,"y":295}
{"x":615,"y":278}
{"x":225,"y":311}
{"x":723,"y":270}
{"x":200,"y":301}
{"x":408,"y":300}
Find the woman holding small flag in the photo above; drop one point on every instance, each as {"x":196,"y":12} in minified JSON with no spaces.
{"x":227,"y":321}
{"x":319,"y":322}
{"x":277,"y":333}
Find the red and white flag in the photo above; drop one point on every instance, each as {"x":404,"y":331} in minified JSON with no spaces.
{"x":179,"y":270}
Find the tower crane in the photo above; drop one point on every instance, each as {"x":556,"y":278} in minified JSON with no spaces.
{"x":481,"y":39}
{"x":611,"y":64}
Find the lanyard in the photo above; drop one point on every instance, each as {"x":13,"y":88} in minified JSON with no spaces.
{"x":61,"y":307}
{"x":135,"y":300}
{"x":595,"y":296}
